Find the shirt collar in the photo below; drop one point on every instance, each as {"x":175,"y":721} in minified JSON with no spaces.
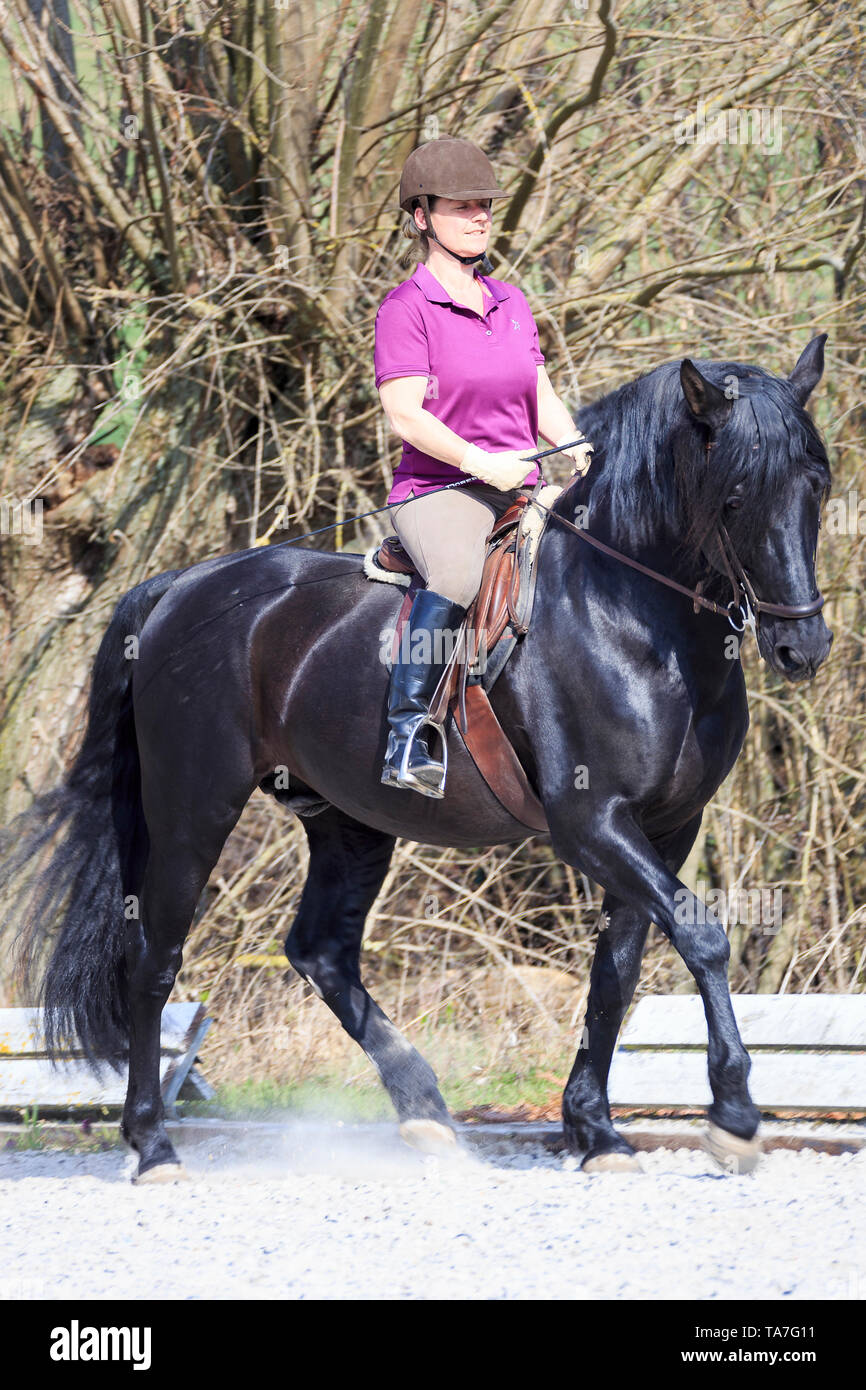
{"x":437,"y":294}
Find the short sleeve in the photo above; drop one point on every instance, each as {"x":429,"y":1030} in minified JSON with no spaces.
{"x":534,"y":349}
{"x":401,"y":347}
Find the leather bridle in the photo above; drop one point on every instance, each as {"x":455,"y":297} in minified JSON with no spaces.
{"x":745,"y":598}
{"x":745,"y":604}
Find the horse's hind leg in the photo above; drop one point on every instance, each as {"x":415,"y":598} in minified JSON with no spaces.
{"x":348,"y":863}
{"x":186,"y":835}
{"x":615,"y":971}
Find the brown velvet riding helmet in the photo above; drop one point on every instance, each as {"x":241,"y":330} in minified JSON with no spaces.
{"x":447,"y":168}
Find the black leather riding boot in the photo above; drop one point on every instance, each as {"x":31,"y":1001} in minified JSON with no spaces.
{"x":427,"y":642}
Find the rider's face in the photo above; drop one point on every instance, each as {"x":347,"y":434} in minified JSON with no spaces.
{"x":463,"y":224}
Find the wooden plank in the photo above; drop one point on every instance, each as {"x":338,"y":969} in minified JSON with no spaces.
{"x":181,"y":1027}
{"x":778,"y":1080}
{"x":179,"y":1065}
{"x":29,"y":1078}
{"x":494,"y":1134}
{"x":764,"y":1020}
{"x":196,"y":1086}
{"x":21,"y":1031}
{"x":28,"y":1081}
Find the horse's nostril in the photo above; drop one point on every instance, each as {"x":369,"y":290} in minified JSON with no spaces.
{"x":791,"y":658}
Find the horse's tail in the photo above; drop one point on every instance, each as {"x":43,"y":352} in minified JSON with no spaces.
{"x":97,"y":862}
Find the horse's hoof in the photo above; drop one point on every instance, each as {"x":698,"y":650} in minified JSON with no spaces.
{"x":429,"y":1136}
{"x":611,"y":1163}
{"x":733,"y":1154}
{"x":162,"y":1173}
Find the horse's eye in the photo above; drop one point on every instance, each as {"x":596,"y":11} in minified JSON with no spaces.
{"x":734,"y":501}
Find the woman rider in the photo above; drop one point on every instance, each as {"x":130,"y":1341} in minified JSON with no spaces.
{"x":461,"y":379}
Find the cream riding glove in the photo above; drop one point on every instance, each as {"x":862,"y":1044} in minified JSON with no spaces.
{"x":504,"y":470}
{"x":580,"y":454}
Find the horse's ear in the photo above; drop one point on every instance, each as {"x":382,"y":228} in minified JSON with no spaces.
{"x":809,"y":369}
{"x":706,"y":401}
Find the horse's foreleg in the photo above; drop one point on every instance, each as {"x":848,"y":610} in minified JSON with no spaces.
{"x":615,"y":973}
{"x":348,"y":863}
{"x":633,"y":870}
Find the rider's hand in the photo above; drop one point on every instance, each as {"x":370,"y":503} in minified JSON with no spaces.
{"x":504,"y":470}
{"x":580,"y":454}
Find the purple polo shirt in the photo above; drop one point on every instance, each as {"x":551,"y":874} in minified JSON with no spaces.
{"x":481,"y":372}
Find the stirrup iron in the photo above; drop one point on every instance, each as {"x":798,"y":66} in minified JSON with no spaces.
{"x":410,"y":780}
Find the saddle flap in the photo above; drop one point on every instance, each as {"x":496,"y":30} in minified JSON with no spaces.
{"x":488,"y":616}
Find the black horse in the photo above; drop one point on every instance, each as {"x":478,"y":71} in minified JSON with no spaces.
{"x":263,"y":669}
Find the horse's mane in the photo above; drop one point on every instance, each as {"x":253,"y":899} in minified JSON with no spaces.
{"x":651,"y":471}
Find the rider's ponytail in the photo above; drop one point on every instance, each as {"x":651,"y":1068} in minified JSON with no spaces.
{"x":420,"y":245}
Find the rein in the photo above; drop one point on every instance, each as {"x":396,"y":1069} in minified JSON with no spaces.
{"x":745,"y":603}
{"x":724,"y":610}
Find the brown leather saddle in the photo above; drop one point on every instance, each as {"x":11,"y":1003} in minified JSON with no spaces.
{"x":494,"y":622}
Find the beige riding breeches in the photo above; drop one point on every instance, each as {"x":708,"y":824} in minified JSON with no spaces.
{"x":446,"y":533}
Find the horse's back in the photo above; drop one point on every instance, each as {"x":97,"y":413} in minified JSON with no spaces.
{"x":202,"y":632}
{"x":253,"y":578}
